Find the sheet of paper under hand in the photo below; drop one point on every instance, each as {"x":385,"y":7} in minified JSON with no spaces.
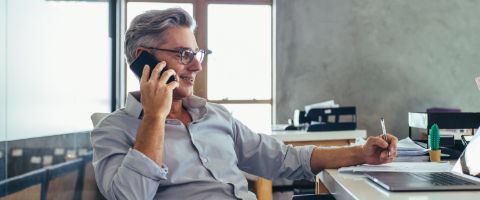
{"x":401,"y":167}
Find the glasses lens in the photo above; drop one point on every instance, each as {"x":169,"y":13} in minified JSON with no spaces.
{"x":187,"y":56}
{"x":200,"y":55}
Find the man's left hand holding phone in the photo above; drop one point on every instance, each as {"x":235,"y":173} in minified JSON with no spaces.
{"x":156,"y":90}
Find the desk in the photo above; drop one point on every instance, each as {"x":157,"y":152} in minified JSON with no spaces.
{"x":263,"y":186}
{"x":346,"y":186}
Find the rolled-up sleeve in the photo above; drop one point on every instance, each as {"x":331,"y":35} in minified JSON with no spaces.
{"x":267,"y":157}
{"x":122,"y":172}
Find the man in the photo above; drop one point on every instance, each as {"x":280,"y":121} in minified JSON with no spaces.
{"x":169,"y":144}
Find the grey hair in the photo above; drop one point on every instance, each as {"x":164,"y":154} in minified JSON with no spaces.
{"x":147,"y":28}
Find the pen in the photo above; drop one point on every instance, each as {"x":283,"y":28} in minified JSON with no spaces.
{"x":384,"y":133}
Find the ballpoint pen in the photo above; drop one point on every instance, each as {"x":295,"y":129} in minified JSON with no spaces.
{"x":384,"y":133}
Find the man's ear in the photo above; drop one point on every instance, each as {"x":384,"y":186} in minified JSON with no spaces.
{"x":138,"y":51}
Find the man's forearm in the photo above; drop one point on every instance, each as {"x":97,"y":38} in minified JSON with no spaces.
{"x":150,"y":138}
{"x":335,"y":157}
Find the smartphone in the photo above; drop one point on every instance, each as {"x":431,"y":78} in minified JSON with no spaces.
{"x":146,"y":58}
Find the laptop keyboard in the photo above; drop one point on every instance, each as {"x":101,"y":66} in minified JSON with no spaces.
{"x":442,"y":179}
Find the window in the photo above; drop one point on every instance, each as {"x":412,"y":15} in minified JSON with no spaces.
{"x":238,"y":74}
{"x":240,"y":67}
{"x":57,"y":69}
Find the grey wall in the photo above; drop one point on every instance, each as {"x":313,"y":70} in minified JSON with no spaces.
{"x":385,"y":57}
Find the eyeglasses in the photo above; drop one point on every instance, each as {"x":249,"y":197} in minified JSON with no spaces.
{"x":186,"y":55}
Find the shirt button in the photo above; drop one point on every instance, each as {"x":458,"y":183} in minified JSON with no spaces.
{"x":204,"y":160}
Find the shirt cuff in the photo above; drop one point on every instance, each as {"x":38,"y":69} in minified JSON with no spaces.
{"x":140,"y":163}
{"x":305,"y":153}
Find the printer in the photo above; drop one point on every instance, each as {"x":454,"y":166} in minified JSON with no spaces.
{"x":332,"y":118}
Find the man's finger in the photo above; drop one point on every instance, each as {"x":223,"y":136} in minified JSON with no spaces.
{"x":146,"y":70}
{"x":172,"y":85}
{"x":156,"y":72}
{"x":392,"y":147}
{"x":384,"y":156}
{"x":377,"y":141}
{"x":166,"y":75}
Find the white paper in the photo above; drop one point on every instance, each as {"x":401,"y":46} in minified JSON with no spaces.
{"x":401,"y":167}
{"x":324,"y":104}
{"x":412,"y":153}
{"x":406,"y":147}
{"x":407,"y":144}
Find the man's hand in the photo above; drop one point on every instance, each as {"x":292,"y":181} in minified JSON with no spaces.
{"x":156,"y":101}
{"x":376,"y":150}
{"x":156,"y":94}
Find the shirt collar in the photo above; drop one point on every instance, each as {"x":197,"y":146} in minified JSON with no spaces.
{"x":134,"y":107}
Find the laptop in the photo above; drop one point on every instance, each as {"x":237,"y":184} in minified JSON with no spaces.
{"x":465,"y":175}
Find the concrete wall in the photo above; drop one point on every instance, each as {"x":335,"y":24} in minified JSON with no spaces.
{"x":384,"y":57}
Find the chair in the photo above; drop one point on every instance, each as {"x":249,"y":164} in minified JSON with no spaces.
{"x":89,"y":187}
{"x":97,"y":117}
{"x":31,"y":185}
{"x":89,"y":179}
{"x":63,"y":180}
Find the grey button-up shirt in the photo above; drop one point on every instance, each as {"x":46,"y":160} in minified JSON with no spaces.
{"x":203,"y":160}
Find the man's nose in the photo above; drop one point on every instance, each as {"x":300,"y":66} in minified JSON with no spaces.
{"x":195,"y":65}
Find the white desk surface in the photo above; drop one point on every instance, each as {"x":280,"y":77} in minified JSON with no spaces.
{"x":299,"y":136}
{"x":346,"y":186}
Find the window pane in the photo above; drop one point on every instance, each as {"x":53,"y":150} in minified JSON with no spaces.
{"x":58,"y":69}
{"x":3,"y":71}
{"x":136,"y":8}
{"x":240,"y":38}
{"x":256,"y":116}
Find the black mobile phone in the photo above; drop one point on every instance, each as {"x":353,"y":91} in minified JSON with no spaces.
{"x":146,"y":58}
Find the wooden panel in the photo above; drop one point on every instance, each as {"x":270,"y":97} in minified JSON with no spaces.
{"x":63,"y":187}
{"x":31,"y":193}
{"x":320,"y":187}
{"x":201,"y":14}
{"x":263,"y":189}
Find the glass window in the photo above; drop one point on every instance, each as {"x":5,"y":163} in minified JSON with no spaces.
{"x":58,"y":68}
{"x":3,"y":70}
{"x":136,"y":8}
{"x":240,"y":37}
{"x":256,"y":116}
{"x":240,"y":67}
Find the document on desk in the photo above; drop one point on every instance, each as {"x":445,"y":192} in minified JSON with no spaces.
{"x":400,"y":167}
{"x":406,"y":147}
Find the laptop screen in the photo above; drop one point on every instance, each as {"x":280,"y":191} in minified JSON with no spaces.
{"x":469,"y":161}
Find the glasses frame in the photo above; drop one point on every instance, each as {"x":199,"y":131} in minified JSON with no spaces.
{"x":180,"y":53}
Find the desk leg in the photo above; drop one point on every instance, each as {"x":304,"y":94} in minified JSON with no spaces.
{"x":320,"y":187}
{"x":263,"y":188}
